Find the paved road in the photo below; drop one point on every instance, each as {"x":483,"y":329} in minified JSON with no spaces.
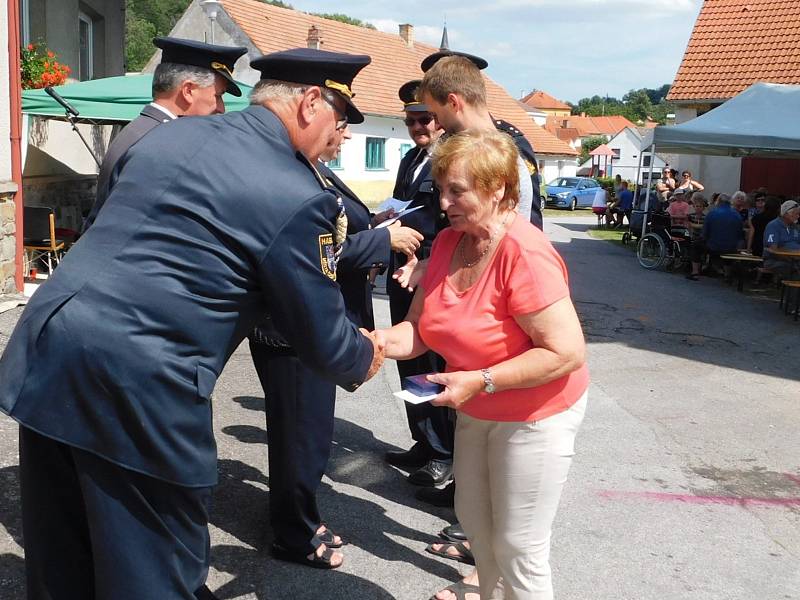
{"x":686,"y":484}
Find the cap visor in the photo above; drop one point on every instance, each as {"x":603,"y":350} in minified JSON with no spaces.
{"x":354,"y":116}
{"x":232,"y":89}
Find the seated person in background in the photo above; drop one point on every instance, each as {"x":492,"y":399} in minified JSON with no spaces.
{"x":739,"y":203}
{"x":722,"y":230}
{"x":622,"y":207}
{"x":756,"y":205}
{"x":758,"y":224}
{"x":695,"y":221}
{"x":600,"y":205}
{"x":678,"y":210}
{"x":782,"y":233}
{"x":689,"y":184}
{"x":666,"y":185}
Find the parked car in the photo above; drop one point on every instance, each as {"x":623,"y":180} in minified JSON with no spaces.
{"x":571,"y":192}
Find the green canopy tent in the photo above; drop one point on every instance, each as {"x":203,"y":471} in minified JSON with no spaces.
{"x":110,"y":100}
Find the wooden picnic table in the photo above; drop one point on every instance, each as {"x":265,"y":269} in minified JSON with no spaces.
{"x":740,"y":261}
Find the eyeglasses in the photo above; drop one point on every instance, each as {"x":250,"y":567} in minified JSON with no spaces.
{"x":424,"y":120}
{"x":342,"y":123}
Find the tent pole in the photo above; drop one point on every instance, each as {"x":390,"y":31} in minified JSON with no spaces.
{"x":636,"y":185}
{"x":649,"y":185}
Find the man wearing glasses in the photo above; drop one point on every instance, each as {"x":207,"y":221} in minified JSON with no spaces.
{"x":430,"y":458}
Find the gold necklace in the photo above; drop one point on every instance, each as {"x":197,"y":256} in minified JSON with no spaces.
{"x":467,"y":264}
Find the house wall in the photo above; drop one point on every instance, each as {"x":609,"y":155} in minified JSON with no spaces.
{"x":552,"y":167}
{"x":7,"y":187}
{"x":55,"y":23}
{"x":629,"y":145}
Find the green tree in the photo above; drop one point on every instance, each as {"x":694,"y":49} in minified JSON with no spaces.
{"x":638,"y":104}
{"x":590,"y":143}
{"x":345,"y":19}
{"x":139,"y":35}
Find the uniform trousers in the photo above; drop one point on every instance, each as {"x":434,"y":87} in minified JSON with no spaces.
{"x":431,"y":426}
{"x":510,"y":477}
{"x":96,"y":531}
{"x":300,"y":417}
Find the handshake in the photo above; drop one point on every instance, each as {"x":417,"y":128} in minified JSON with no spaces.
{"x":378,"y":340}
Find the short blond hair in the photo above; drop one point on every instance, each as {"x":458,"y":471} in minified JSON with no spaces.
{"x":490,"y":159}
{"x":454,"y":75}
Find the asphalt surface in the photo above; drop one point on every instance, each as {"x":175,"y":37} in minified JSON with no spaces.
{"x":686,"y":484}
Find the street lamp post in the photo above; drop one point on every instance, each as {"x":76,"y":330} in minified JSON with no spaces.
{"x":211,"y":8}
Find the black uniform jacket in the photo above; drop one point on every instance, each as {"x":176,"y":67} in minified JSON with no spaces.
{"x":148,"y":119}
{"x":213,"y":222}
{"x":428,"y":220}
{"x":529,"y":157}
{"x":363,"y":249}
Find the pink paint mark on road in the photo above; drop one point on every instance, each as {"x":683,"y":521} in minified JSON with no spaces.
{"x":695,"y":499}
{"x":793,"y":477}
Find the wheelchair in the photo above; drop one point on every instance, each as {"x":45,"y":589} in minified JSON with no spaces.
{"x":662,"y":245}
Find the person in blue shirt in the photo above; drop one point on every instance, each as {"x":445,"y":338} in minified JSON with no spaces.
{"x":623,"y":206}
{"x":782,"y":233}
{"x":723,"y":232}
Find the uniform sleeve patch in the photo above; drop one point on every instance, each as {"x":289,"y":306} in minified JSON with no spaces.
{"x":327,"y":255}
{"x":530,"y":165}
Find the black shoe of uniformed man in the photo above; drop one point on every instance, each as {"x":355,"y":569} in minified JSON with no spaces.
{"x":435,"y":472}
{"x":444,"y":497}
{"x":413,"y":458}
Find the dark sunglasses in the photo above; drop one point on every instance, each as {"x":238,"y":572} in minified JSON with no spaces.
{"x":424,"y":120}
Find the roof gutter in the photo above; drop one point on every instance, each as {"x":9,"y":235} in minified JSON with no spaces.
{"x":15,"y":104}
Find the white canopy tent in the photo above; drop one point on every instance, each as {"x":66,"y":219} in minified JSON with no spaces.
{"x":763,"y":120}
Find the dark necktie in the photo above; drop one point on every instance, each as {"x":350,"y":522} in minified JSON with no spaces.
{"x":412,"y":169}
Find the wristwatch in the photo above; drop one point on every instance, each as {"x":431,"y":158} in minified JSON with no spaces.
{"x":488,"y":382}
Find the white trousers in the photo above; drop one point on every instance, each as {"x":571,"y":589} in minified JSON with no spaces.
{"x":509,"y":479}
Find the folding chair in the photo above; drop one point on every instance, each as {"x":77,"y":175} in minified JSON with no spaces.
{"x":40,"y":243}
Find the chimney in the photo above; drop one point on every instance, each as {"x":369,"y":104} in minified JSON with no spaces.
{"x":314,"y":39}
{"x":407,"y":33}
{"x":583,"y":114}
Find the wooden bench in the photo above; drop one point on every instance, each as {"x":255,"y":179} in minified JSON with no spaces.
{"x":790,"y":289}
{"x":740,"y":264}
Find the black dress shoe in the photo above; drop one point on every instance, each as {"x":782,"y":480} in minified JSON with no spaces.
{"x":453,"y":533}
{"x":444,"y":497}
{"x":435,"y":472}
{"x":413,"y":458}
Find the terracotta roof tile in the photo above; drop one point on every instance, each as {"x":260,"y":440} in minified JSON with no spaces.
{"x":736,"y":43}
{"x":271,"y":28}
{"x":544,"y":101}
{"x":587,"y":126}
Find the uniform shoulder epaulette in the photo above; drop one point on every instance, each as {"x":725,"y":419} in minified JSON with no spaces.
{"x":507,"y":127}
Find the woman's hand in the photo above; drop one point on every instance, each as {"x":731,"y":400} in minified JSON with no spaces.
{"x":460,"y":387}
{"x":410,"y":274}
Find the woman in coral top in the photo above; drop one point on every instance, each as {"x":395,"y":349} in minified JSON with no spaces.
{"x":495,"y":303}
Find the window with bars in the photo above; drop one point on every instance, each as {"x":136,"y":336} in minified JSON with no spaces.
{"x":376,"y":153}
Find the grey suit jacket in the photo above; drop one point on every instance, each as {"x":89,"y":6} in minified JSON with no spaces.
{"x":148,"y":119}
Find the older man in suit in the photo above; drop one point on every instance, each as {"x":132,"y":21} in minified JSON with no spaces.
{"x":189,"y":81}
{"x":213,"y":222}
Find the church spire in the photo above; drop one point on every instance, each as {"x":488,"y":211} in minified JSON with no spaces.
{"x":444,"y":45}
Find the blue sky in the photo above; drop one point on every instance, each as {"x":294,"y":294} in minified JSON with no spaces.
{"x":568,"y":48}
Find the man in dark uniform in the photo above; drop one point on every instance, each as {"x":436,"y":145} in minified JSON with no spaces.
{"x":431,"y":456}
{"x":110,"y":370}
{"x":190,"y":80}
{"x":300,"y":404}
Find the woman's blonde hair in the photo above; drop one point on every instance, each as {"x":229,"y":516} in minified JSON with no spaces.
{"x":490,"y":159}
